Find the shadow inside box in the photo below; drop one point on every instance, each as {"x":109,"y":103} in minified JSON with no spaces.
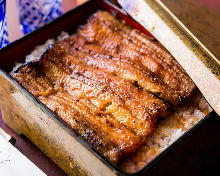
{"x":27,"y":148}
{"x":211,"y":169}
{"x":198,"y":154}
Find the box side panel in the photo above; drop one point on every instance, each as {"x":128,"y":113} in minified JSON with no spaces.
{"x":25,"y":117}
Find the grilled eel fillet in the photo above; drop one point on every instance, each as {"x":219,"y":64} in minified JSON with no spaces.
{"x":106,"y":94}
{"x":108,"y":111}
{"x":166,"y":78}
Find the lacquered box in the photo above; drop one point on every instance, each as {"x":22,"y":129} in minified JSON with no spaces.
{"x":28,"y":116}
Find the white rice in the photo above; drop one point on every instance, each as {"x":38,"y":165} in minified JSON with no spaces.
{"x":36,"y":53}
{"x":168,"y":130}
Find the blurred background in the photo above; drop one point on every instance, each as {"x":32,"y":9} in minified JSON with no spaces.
{"x":13,"y":18}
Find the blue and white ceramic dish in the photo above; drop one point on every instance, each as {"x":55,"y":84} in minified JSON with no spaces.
{"x":3,"y":26}
{"x":36,"y":13}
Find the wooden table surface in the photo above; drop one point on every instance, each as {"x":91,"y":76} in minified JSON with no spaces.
{"x":202,"y":17}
